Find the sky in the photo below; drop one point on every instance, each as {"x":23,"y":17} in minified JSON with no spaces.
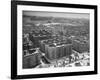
{"x":57,"y":14}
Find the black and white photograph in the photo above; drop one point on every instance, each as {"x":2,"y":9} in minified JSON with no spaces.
{"x":53,"y":39}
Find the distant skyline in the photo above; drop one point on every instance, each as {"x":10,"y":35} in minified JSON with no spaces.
{"x":57,"y":14}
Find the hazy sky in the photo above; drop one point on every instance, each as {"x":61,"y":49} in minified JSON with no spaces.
{"x":57,"y":14}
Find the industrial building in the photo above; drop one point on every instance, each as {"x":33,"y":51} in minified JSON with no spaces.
{"x":55,"y":49}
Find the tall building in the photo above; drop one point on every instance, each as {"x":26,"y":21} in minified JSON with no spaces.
{"x":80,"y":46}
{"x":55,"y":49}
